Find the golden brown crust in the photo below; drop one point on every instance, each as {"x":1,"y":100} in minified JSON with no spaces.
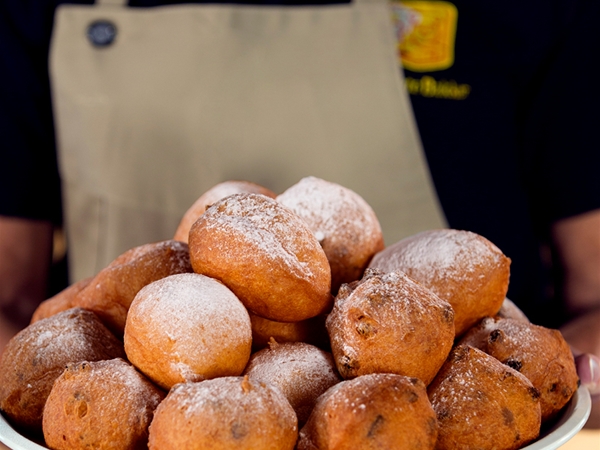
{"x":105,"y":405}
{"x":187,"y":327}
{"x":37,"y":355}
{"x":224,"y":413}
{"x":539,"y":353}
{"x":301,"y":371}
{"x":387,"y":323}
{"x":371,"y":412}
{"x":461,"y":267}
{"x":265,"y":254}
{"x":59,"y":302}
{"x":343,"y":222}
{"x":312,"y":331}
{"x":112,"y":290}
{"x":211,"y":196}
{"x":482,"y":403}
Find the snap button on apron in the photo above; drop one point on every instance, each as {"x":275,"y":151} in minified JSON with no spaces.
{"x":101,"y":33}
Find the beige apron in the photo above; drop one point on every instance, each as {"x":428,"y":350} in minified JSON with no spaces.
{"x":191,"y":95}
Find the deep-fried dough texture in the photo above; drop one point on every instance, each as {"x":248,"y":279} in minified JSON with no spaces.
{"x":229,"y":413}
{"x":59,"y":302}
{"x":461,"y":267}
{"x":265,"y":254}
{"x":388,"y":323}
{"x":509,"y":310}
{"x":371,"y":412}
{"x":343,"y":222}
{"x":301,"y":371}
{"x":312,"y":331}
{"x":112,"y":290}
{"x":187,"y":327}
{"x":483,"y":404}
{"x":38,"y":354}
{"x":539,"y":353}
{"x":104,"y":405}
{"x":214,"y":194}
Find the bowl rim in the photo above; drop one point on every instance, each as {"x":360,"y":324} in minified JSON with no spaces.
{"x":570,"y":422}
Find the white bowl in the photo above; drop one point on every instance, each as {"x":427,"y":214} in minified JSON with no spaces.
{"x":571,"y":420}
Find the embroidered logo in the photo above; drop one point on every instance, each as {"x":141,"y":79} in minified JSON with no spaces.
{"x":426,"y":32}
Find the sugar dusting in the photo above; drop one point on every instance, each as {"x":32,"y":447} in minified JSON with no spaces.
{"x":435,"y":256}
{"x":127,"y":387}
{"x":332,"y":211}
{"x":302,"y":372}
{"x":72,"y":335}
{"x":189,"y":312}
{"x":473,"y":384}
{"x":234,"y":399}
{"x":267,"y":230}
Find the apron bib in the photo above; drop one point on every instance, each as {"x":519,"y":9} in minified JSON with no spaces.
{"x":187,"y":96}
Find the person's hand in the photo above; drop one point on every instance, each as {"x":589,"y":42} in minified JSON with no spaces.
{"x":583,"y":334}
{"x":588,"y":368}
{"x":25,"y":258}
{"x":577,"y":242}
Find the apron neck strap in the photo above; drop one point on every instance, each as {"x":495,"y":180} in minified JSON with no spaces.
{"x":111,"y":2}
{"x":124,"y":2}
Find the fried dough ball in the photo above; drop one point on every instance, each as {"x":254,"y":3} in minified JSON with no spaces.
{"x":312,"y":331}
{"x":265,"y":254}
{"x":38,"y":354}
{"x":105,"y":405}
{"x":343,"y":222}
{"x":388,"y":323}
{"x":481,"y":403}
{"x":187,"y":327}
{"x":112,"y":290}
{"x":214,"y":194}
{"x":371,"y":412}
{"x":539,"y":353}
{"x":509,"y":310}
{"x":59,"y":302}
{"x":301,"y":371}
{"x":228,"y":413}
{"x":461,"y":267}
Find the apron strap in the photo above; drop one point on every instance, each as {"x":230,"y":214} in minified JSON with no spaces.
{"x":124,"y":2}
{"x":111,"y":2}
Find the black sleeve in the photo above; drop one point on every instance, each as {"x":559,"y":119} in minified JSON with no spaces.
{"x":561,"y":134}
{"x":29,"y":181}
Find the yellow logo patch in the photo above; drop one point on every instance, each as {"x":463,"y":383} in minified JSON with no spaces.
{"x":426,"y":32}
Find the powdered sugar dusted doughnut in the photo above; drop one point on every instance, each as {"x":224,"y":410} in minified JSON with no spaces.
{"x":265,"y":254}
{"x":371,"y":412}
{"x":388,"y":323}
{"x":187,"y":327}
{"x":38,"y":354}
{"x":112,"y":290}
{"x":214,"y":194}
{"x":482,"y":403}
{"x":461,"y":267}
{"x":224,"y":413}
{"x":343,"y":222}
{"x":301,"y":371}
{"x":90,"y":398}
{"x":539,"y":353}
